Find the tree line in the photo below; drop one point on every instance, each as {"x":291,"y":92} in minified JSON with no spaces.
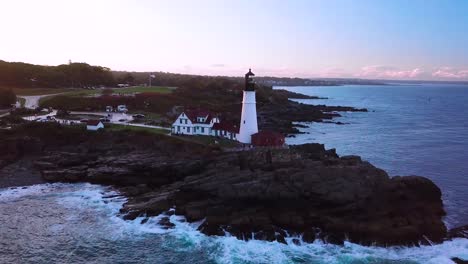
{"x":76,"y":75}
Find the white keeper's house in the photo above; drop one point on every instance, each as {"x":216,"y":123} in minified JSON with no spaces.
{"x":203,"y":122}
{"x":194,"y":122}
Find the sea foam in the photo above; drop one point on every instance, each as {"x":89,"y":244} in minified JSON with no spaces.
{"x":92,"y":217}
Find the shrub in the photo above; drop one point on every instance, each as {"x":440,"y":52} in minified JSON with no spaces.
{"x":7,"y":97}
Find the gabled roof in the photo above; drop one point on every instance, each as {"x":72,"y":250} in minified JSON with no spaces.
{"x":93,"y":122}
{"x":192,"y":114}
{"x":226,"y":126}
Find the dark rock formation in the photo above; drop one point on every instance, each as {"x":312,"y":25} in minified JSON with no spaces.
{"x":459,"y":232}
{"x":459,"y":261}
{"x":268,"y":193}
{"x":303,"y":190}
{"x":282,"y":116}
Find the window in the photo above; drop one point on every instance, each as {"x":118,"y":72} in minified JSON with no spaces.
{"x":186,"y":120}
{"x":188,"y":129}
{"x":178,"y":128}
{"x":203,"y":130}
{"x":180,"y":120}
{"x":244,"y":121}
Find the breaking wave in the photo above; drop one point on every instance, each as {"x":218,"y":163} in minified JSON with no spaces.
{"x":76,"y":223}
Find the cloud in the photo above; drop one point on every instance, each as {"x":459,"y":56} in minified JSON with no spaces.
{"x":218,"y":65}
{"x":450,"y":73}
{"x":333,"y":73}
{"x":389,"y":72}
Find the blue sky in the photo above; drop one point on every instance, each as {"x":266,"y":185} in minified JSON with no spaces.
{"x":392,"y":39}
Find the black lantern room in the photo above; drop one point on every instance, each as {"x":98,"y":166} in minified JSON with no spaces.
{"x":249,"y":81}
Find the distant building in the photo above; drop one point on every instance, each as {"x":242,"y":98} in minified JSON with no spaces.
{"x":225,"y":130}
{"x":194,"y":122}
{"x":268,"y":139}
{"x":94,"y":125}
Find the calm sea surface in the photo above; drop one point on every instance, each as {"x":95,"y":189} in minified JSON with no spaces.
{"x":410,"y":130}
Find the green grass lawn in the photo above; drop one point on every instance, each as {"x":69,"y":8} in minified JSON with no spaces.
{"x":39,"y":91}
{"x":118,"y":127}
{"x":87,"y":92}
{"x":143,"y":89}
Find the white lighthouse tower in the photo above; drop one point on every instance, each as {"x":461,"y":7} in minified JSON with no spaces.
{"x":248,"y":125}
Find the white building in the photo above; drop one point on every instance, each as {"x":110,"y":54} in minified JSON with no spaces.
{"x":94,"y":125}
{"x":194,"y":122}
{"x":248,"y":124}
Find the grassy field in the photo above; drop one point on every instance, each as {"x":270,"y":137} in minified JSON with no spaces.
{"x":40,"y":91}
{"x":118,"y":127}
{"x":143,"y":89}
{"x":87,"y":92}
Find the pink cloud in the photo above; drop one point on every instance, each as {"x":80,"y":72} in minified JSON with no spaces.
{"x":388,"y":72}
{"x":333,"y":73}
{"x":450,"y":73}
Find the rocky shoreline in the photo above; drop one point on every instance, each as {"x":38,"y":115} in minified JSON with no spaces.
{"x":282,"y":118}
{"x":304,"y":190}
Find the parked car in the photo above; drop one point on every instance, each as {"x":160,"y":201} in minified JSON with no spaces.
{"x":122,"y":120}
{"x":84,"y":120}
{"x":136,"y":116}
{"x":122,"y":108}
{"x":105,"y":120}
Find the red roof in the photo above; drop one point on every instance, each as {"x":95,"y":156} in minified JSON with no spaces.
{"x":193,"y":114}
{"x":93,"y":122}
{"x":226,"y":126}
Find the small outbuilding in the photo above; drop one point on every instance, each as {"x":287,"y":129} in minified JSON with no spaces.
{"x":268,"y":139}
{"x":94,"y":125}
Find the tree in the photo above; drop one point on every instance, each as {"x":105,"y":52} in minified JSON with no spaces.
{"x":128,"y":79}
{"x":7,"y":98}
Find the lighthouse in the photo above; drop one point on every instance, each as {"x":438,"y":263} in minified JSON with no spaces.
{"x":248,"y":123}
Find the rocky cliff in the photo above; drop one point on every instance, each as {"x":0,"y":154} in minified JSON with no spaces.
{"x":263,"y":193}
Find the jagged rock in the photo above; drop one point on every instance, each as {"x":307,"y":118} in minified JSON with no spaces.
{"x":460,"y":261}
{"x":348,"y":198}
{"x":302,"y":190}
{"x":459,"y":232}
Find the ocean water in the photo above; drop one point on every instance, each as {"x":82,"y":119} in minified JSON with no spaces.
{"x":410,"y":130}
{"x":419,"y":131}
{"x":76,"y":223}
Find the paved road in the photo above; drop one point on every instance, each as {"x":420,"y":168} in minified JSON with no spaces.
{"x":114,"y":118}
{"x":32,"y":101}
